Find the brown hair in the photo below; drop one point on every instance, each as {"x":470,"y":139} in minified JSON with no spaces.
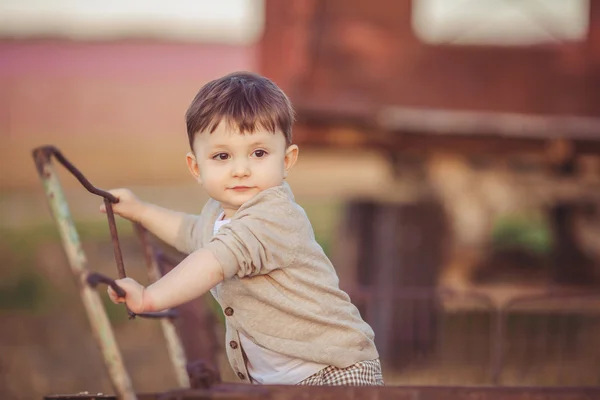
{"x":246,"y":101}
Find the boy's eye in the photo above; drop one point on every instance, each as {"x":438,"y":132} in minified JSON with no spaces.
{"x":221,"y":156}
{"x":260,"y":153}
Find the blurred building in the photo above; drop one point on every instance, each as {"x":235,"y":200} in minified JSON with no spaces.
{"x":113,"y":78}
{"x":488,"y":112}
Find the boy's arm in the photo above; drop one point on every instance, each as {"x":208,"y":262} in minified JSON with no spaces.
{"x":194,"y":276}
{"x":162,"y":222}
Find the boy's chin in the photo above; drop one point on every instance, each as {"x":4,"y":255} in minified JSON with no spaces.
{"x":237,"y":201}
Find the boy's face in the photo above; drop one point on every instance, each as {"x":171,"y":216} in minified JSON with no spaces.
{"x":234,"y":167}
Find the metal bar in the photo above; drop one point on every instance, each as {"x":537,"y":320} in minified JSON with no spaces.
{"x":552,"y":294}
{"x":53,"y":151}
{"x":115,"y":239}
{"x":174,"y":345}
{"x":290,"y":392}
{"x":497,"y":344}
{"x":94,"y":278}
{"x":112,"y":225}
{"x":196,"y":332}
{"x":101,"y":327}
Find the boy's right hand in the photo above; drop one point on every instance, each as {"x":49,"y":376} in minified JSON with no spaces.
{"x":134,"y":295}
{"x":129,"y":206}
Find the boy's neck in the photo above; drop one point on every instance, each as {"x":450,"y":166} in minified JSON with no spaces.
{"x":227,"y":214}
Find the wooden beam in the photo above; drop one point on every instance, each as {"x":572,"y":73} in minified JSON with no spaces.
{"x":240,"y":391}
{"x":479,"y":123}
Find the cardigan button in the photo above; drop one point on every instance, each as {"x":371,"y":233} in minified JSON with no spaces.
{"x":233,"y":344}
{"x":229,"y":311}
{"x":241,"y":376}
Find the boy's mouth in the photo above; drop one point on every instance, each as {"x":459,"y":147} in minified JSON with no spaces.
{"x":240,"y":188}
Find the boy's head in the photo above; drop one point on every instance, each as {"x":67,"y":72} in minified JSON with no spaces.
{"x":240,"y":133}
{"x":245,"y":101}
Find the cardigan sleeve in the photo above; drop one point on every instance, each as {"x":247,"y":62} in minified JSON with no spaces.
{"x":262,"y":236}
{"x":189,"y":235}
{"x":192,"y":229}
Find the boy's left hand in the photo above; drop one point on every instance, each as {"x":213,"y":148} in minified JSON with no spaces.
{"x":134,"y":295}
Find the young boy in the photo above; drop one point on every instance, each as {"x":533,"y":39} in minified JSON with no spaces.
{"x":253,"y":247}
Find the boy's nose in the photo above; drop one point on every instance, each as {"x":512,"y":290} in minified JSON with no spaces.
{"x":241,"y":168}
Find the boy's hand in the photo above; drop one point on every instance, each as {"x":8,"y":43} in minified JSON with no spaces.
{"x":129,"y":206}
{"x":134,"y":295}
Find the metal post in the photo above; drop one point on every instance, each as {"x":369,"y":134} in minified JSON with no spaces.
{"x":101,"y":327}
{"x":174,"y":346}
{"x":498,"y":345}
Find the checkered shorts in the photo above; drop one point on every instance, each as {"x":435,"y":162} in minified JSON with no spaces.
{"x":363,"y":373}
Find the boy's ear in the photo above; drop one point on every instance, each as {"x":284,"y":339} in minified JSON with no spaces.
{"x":192,"y":165}
{"x":291,"y":156}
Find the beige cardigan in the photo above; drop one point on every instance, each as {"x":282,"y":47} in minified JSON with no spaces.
{"x":280,"y":289}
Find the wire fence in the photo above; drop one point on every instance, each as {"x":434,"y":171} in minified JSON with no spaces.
{"x":441,"y":337}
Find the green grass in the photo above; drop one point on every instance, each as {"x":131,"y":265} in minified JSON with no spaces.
{"x":530,"y":232}
{"x":22,"y":288}
{"x":324,"y":218}
{"x":27,"y":291}
{"x":116,"y":313}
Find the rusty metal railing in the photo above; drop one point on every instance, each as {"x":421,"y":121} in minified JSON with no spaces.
{"x":101,"y":327}
{"x":42,"y":156}
{"x":87,"y":280}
